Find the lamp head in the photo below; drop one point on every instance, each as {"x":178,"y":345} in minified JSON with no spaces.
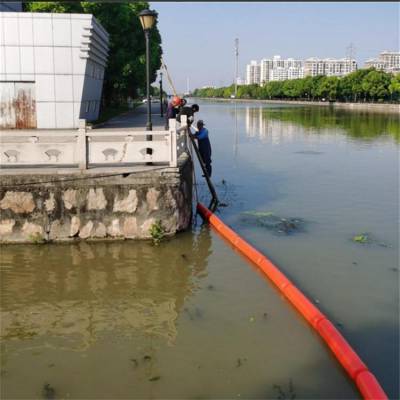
{"x":147,"y":19}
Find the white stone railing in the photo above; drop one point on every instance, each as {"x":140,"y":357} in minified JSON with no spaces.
{"x":86,"y":147}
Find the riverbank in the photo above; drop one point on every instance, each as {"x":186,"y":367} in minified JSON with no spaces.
{"x":370,"y":107}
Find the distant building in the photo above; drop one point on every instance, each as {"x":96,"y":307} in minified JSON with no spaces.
{"x":279,"y":69}
{"x":51,"y":69}
{"x":265,"y":68}
{"x":253,"y":73}
{"x":329,"y":66}
{"x":388,"y":61}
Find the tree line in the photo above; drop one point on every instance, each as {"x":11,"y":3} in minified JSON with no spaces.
{"x":363,"y":85}
{"x":125,"y":75}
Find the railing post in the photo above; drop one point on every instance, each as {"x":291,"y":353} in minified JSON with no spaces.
{"x":82,"y":145}
{"x":172,"y":130}
{"x":186,"y":132}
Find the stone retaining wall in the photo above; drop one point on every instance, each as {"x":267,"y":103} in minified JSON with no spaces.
{"x":94,"y":207}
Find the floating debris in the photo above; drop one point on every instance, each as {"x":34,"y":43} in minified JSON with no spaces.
{"x":265,"y":315}
{"x":135,"y":362}
{"x":240,"y":362}
{"x":147,"y":358}
{"x":309,"y":152}
{"x":210,"y":287}
{"x":155,"y":378}
{"x":48,"y":391}
{"x":282,"y":394}
{"x":362,"y":238}
{"x":366,"y":238}
{"x":274,"y":223}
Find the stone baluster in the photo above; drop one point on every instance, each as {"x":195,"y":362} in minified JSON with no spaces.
{"x":82,"y":145}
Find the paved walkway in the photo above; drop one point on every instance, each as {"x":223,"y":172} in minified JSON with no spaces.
{"x":136,"y":119}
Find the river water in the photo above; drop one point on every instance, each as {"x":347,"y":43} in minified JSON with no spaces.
{"x":191,"y":318}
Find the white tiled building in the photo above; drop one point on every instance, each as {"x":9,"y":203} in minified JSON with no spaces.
{"x":253,"y":73}
{"x":388,"y":61}
{"x":329,"y":66}
{"x":54,"y":64}
{"x":279,"y":69}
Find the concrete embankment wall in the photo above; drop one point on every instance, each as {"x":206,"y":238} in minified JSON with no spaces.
{"x":373,"y":107}
{"x":74,"y":206}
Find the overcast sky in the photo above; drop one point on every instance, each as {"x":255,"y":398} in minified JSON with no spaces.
{"x":198,"y":38}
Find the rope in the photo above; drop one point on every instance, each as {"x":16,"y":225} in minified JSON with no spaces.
{"x":163,"y":65}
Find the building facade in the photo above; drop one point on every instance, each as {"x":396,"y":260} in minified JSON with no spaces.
{"x":329,"y":66}
{"x":388,"y":61}
{"x":51,"y":69}
{"x":275,"y":69}
{"x":253,"y":71}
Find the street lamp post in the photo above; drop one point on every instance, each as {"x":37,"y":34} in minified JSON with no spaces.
{"x":161,"y":97}
{"x":147,"y":19}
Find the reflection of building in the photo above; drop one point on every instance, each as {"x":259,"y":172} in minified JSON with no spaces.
{"x":388,"y":61}
{"x":260,"y":122}
{"x":329,"y":66}
{"x":128,"y":290}
{"x":51,"y":69}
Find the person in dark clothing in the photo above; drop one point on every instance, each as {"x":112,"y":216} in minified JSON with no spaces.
{"x":204,"y":145}
{"x":189,"y":112}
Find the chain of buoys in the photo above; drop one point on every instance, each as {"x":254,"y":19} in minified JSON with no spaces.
{"x":365,"y":381}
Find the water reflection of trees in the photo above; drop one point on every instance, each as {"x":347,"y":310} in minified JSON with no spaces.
{"x":84,"y":291}
{"x":277,"y":124}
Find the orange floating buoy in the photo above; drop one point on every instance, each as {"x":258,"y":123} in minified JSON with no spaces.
{"x":365,"y":381}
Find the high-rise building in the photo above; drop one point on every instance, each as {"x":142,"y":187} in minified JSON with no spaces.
{"x":388,"y":61}
{"x":253,"y":73}
{"x":329,"y":66}
{"x":265,"y":67}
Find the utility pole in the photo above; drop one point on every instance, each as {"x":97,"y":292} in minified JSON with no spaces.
{"x":350,"y":52}
{"x":236,"y":64}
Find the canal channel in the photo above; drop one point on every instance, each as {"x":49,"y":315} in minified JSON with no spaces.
{"x":315,"y":189}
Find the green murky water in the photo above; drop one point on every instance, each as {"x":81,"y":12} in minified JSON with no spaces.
{"x":191,"y":318}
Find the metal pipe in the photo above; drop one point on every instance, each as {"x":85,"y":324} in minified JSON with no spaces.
{"x":149,"y":125}
{"x":161,"y":97}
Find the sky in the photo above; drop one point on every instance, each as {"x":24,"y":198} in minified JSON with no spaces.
{"x":198,"y":37}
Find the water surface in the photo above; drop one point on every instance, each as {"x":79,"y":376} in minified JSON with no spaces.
{"x":191,"y":318}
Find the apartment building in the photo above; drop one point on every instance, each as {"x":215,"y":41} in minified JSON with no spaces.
{"x":329,"y":66}
{"x":265,"y":67}
{"x":253,"y":73}
{"x":388,"y":61}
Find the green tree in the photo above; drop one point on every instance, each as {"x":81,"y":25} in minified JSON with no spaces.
{"x":376,"y":84}
{"x":327,"y":87}
{"x":394,"y":87}
{"x":126,"y":69}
